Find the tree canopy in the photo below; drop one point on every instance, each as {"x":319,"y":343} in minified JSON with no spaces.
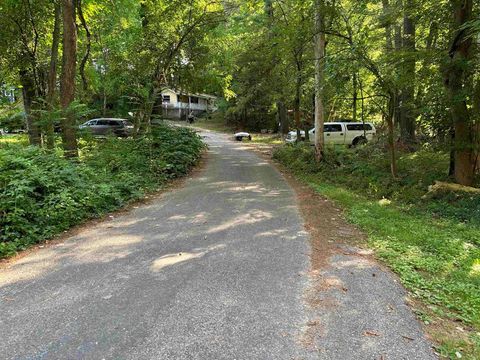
{"x":410,"y":66}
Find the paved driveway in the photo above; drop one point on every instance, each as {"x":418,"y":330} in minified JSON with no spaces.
{"x":216,"y":269}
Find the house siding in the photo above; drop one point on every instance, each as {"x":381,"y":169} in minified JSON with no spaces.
{"x":172,"y":94}
{"x":177,"y":109}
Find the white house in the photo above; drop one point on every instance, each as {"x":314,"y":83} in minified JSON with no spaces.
{"x":177,"y":104}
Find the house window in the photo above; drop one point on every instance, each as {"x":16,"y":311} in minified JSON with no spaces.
{"x":166,"y":99}
{"x":194,"y":99}
{"x":183,"y":99}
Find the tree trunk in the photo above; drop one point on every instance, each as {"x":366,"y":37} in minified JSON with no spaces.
{"x":388,"y":27}
{"x":392,"y":104}
{"x":451,"y":165}
{"x":149,"y":106}
{"x":29,"y":95}
{"x":67,"y":84}
{"x":281,"y":107}
{"x":83,"y":63}
{"x":430,"y":44}
{"x":460,"y":53}
{"x":269,"y":9}
{"x":355,"y":97}
{"x":397,"y":43}
{"x":103,"y":75}
{"x":319,"y":50}
{"x":391,"y":130}
{"x":407,"y":108}
{"x":282,"y":117}
{"x":296,"y":104}
{"x":52,"y":74}
{"x":476,"y":126}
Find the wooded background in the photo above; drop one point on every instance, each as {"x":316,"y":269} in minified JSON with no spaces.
{"x":410,"y":66}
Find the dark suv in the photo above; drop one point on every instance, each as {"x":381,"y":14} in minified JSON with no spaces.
{"x":109,"y":126}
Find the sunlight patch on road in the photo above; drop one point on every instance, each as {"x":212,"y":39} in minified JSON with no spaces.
{"x":173,"y":259}
{"x":118,"y":224}
{"x":200,"y":218}
{"x":276,"y":232}
{"x":180,"y":257}
{"x":253,"y":217}
{"x":106,"y":248}
{"x":177,"y":217}
{"x":254,"y":188}
{"x":29,"y":268}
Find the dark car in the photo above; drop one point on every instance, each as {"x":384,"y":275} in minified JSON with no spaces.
{"x":108,"y":126}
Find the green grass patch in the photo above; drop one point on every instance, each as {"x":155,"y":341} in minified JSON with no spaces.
{"x":433,"y":244}
{"x":216,"y":122}
{"x":6,"y":140}
{"x":267,"y":139}
{"x":42,"y":194}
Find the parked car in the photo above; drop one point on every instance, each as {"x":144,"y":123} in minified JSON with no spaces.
{"x":108,"y":126}
{"x":240,"y":136}
{"x":14,"y":131}
{"x":340,"y":133}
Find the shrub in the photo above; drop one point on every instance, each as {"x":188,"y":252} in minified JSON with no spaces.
{"x":366,"y":169}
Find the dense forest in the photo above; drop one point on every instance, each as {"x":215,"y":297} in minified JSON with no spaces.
{"x":409,"y":66}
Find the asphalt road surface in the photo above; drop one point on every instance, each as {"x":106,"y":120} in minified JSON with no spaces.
{"x":215,"y":269}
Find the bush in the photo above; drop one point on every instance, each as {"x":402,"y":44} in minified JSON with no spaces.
{"x":366,"y":170}
{"x":43,"y":194}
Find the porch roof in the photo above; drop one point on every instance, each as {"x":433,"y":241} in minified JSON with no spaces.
{"x":178,"y":92}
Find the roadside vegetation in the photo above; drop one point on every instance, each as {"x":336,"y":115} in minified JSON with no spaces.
{"x":431,"y":239}
{"x":14,"y":139}
{"x":42,"y":193}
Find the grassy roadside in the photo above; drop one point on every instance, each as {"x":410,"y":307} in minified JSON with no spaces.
{"x":433,"y":244}
{"x":215,"y":123}
{"x":267,"y":139}
{"x":13,"y":139}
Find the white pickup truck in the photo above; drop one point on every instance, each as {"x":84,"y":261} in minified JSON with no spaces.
{"x":340,"y":133}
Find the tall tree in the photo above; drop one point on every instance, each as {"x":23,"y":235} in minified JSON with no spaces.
{"x":83,"y":63}
{"x":282,"y":117}
{"x":407,"y":108}
{"x":52,"y":72}
{"x":67,"y":84}
{"x":456,"y":77}
{"x":30,"y":96}
{"x":319,"y":51}
{"x":392,"y":112}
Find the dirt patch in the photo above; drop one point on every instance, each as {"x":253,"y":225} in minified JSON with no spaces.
{"x":325,"y":222}
{"x":87,"y":224}
{"x":312,"y":331}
